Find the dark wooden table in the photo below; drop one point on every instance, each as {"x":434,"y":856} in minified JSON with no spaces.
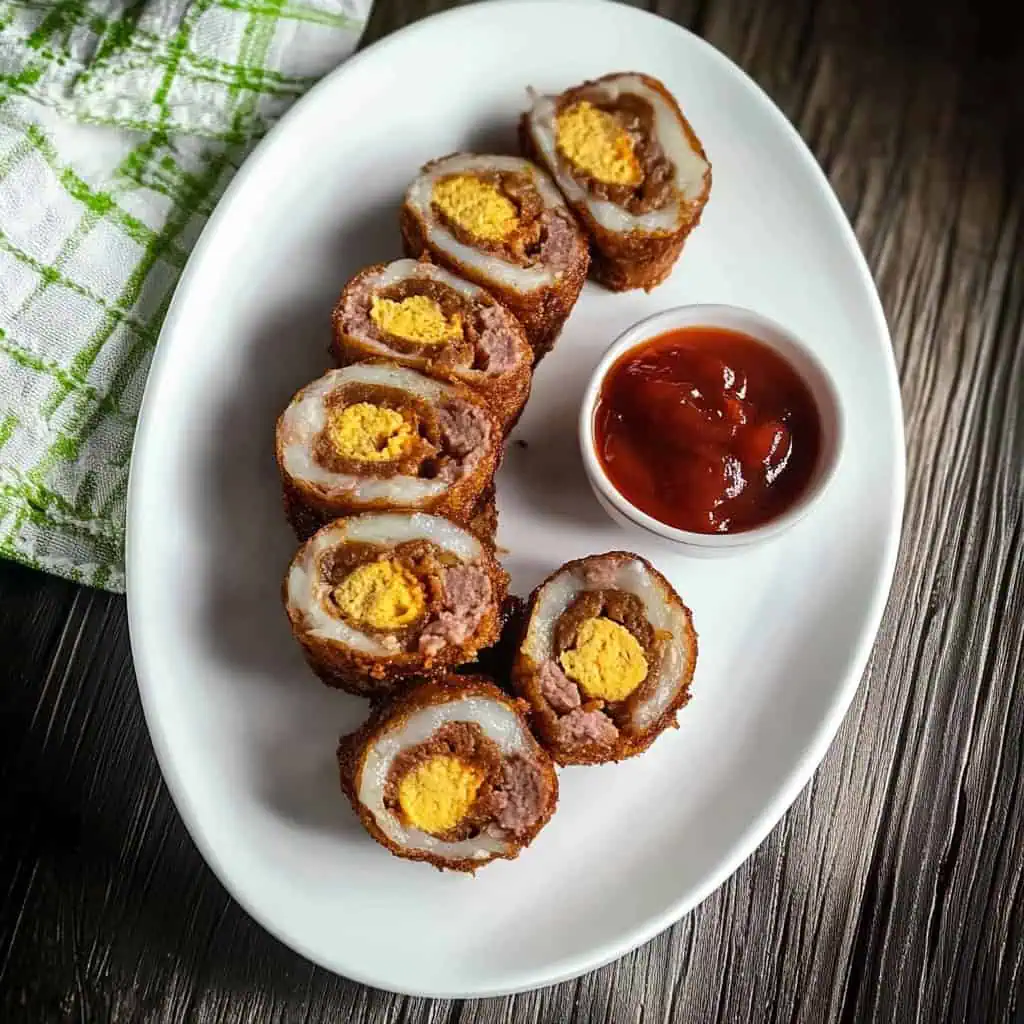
{"x":892,"y":891}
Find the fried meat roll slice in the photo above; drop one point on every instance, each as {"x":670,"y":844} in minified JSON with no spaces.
{"x":449,"y":773}
{"x":606,"y":658}
{"x":630,"y":166}
{"x":500,"y":222}
{"x":379,"y":436}
{"x":377,"y":597}
{"x":422,"y":316}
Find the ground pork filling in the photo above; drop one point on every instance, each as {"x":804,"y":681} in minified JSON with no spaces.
{"x":458,"y":784}
{"x":485,"y":340}
{"x":416,"y":593}
{"x":379,"y":431}
{"x":539,"y":235}
{"x":466,"y":595}
{"x":605,"y":645}
{"x":655,"y":187}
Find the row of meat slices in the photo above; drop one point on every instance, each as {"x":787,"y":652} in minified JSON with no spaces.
{"x":387,"y":466}
{"x":500,"y":261}
{"x":624,"y":181}
{"x":453,"y":768}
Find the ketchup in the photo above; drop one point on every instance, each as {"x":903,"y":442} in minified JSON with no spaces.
{"x":707,"y":430}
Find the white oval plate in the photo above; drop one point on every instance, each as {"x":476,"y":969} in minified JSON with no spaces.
{"x":246,"y":736}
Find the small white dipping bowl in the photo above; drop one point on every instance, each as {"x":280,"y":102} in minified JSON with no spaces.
{"x":768,"y":332}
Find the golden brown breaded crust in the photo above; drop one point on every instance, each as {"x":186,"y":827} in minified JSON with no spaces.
{"x":495,"y":662}
{"x":484,"y":522}
{"x":622,"y":262}
{"x":620,"y":271}
{"x":525,"y":683}
{"x":505,"y":393}
{"x":304,"y":519}
{"x":389,"y":714}
{"x":367,"y":675}
{"x":542,"y":311}
{"x":308,"y":508}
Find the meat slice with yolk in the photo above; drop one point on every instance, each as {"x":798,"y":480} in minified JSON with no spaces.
{"x":369,"y":433}
{"x":381,"y":595}
{"x":595,"y":142}
{"x":606,"y":660}
{"x":476,"y":206}
{"x":416,"y":318}
{"x":438,"y":793}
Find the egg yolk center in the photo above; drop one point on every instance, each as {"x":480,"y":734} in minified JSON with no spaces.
{"x":476,"y":206}
{"x":595,"y":142}
{"x":369,"y":433}
{"x":416,"y":318}
{"x":381,"y":595}
{"x":439,"y":792}
{"x":606,"y":660}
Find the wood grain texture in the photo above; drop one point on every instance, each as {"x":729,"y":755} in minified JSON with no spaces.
{"x":892,"y":891}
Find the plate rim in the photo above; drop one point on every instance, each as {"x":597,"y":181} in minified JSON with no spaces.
{"x":820,"y":740}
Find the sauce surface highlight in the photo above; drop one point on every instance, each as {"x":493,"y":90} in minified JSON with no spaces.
{"x":707,"y":430}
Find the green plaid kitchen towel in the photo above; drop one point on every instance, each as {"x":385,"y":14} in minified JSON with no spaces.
{"x":121,"y":123}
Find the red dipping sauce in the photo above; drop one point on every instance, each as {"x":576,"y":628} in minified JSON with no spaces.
{"x":707,"y":430}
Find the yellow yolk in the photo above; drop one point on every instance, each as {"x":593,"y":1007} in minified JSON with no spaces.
{"x":416,"y":318}
{"x":438,"y":793}
{"x":369,"y":433}
{"x":477,"y":207}
{"x":597,"y":144}
{"x":382,"y":595}
{"x":606,"y":660}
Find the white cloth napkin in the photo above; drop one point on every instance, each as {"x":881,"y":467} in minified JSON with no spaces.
{"x":121,"y":123}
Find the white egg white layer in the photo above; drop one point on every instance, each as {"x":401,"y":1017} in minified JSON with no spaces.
{"x":309,"y":595}
{"x":661,"y":609}
{"x":499,"y":724}
{"x":403,"y":270}
{"x":306,"y":417}
{"x":690,"y":167}
{"x":488,"y":265}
